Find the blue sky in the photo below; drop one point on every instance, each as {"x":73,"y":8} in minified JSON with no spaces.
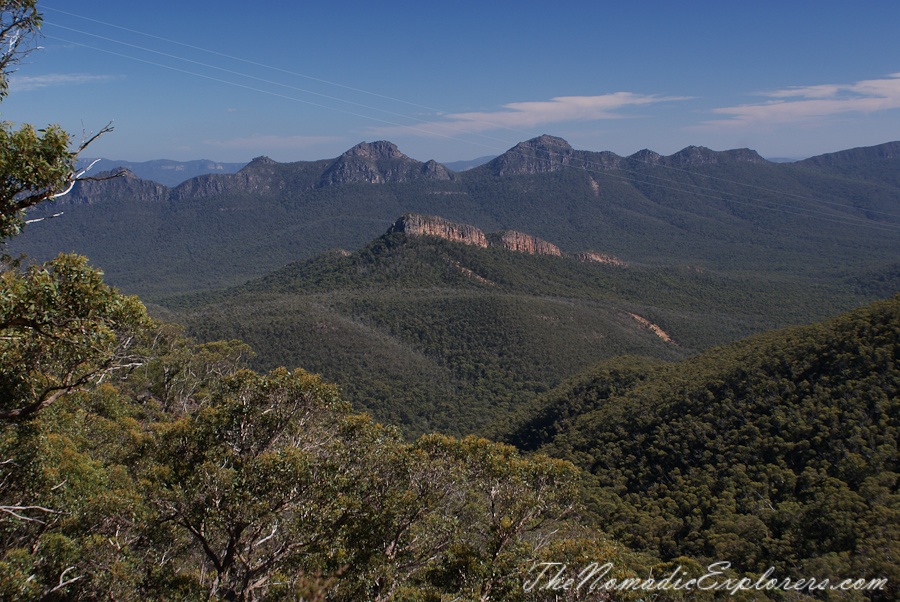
{"x":299,"y":80}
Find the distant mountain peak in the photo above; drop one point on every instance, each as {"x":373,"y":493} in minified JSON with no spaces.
{"x":378,"y":163}
{"x":538,"y":155}
{"x":377,"y":151}
{"x":647,"y":156}
{"x":699,"y":155}
{"x":546,"y":142}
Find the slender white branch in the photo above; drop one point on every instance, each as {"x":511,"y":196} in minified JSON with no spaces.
{"x":62,"y":583}
{"x":86,"y":169}
{"x":40,"y":219}
{"x":64,"y":192}
{"x":14,"y":511}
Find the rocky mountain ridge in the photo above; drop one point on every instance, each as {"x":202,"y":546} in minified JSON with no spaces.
{"x":381,"y":163}
{"x":549,"y":153}
{"x":366,"y":163}
{"x":888,"y":150}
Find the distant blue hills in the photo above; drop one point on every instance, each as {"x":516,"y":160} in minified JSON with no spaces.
{"x":164,"y":171}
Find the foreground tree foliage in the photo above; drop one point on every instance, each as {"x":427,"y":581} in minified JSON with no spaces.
{"x":62,"y":330}
{"x":266,"y":488}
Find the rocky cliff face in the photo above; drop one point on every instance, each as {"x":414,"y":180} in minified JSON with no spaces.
{"x":600,"y":258}
{"x":524,"y":243}
{"x":429,"y":225}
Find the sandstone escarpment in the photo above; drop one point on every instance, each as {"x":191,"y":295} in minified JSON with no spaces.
{"x":413,"y":224}
{"x":524,"y":243}
{"x":430,"y":225}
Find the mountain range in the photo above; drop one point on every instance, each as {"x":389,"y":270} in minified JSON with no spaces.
{"x":825,"y":218}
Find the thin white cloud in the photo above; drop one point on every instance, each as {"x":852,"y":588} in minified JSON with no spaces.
{"x":21,"y":83}
{"x":271,"y":142}
{"x":809,"y":103}
{"x":520,"y":115}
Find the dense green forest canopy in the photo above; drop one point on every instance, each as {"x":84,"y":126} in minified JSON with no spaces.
{"x":780,"y":450}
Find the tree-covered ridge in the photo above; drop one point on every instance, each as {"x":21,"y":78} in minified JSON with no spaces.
{"x":780,"y":450}
{"x":429,"y":334}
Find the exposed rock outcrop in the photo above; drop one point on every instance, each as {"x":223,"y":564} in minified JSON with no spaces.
{"x":524,"y":243}
{"x":429,"y":225}
{"x":414,"y":224}
{"x":600,"y":258}
{"x":653,"y":328}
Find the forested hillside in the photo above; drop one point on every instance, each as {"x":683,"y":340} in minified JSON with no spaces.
{"x":780,"y":450}
{"x":431,"y":334}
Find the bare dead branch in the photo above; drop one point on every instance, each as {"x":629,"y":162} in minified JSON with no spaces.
{"x":14,"y":511}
